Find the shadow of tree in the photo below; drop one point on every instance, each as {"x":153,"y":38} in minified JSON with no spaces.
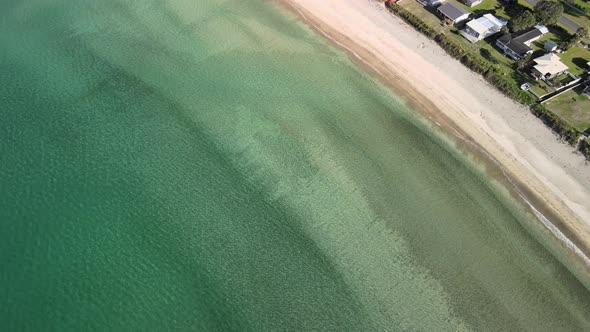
{"x":486,"y":54}
{"x":580,"y":62}
{"x":514,"y":8}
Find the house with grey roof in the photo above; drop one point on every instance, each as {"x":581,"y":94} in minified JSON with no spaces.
{"x":453,"y":12}
{"x":550,"y":46}
{"x":517,"y":45}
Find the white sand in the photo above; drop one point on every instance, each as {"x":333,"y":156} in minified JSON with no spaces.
{"x":521,"y":143}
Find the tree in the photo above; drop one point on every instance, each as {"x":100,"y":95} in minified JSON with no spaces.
{"x":581,"y":33}
{"x":522,"y":21}
{"x":522,"y":62}
{"x":548,"y":12}
{"x":566,"y":45}
{"x":574,"y":39}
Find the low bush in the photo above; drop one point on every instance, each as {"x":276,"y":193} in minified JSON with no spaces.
{"x":451,"y":47}
{"x":475,"y":63}
{"x":508,"y":87}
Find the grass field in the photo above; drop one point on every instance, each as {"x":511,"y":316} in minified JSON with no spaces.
{"x":584,"y":4}
{"x":572,"y":107}
{"x":576,"y":58}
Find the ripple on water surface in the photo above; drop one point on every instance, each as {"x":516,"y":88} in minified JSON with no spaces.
{"x":214,"y":165}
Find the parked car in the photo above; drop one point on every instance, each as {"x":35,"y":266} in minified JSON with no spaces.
{"x":526,"y":87}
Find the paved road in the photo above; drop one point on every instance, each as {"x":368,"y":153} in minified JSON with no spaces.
{"x":568,"y":23}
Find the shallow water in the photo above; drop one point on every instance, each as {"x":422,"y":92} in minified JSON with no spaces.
{"x":213,"y":165}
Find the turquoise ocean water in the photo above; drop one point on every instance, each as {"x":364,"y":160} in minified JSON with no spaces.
{"x":214,"y":165}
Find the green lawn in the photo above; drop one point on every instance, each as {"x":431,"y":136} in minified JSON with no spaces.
{"x":572,"y":107}
{"x":585,"y":5}
{"x":555,"y":35}
{"x":428,"y":17}
{"x":541,"y":88}
{"x":575,"y":58}
{"x":486,"y":6}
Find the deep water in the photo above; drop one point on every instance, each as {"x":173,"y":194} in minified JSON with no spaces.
{"x":214,"y":165}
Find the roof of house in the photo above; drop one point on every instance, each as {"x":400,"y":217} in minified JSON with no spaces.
{"x":517,"y":41}
{"x":488,"y":22}
{"x":514,"y":44}
{"x":549,"y":63}
{"x":495,"y":20}
{"x":452,"y":11}
{"x":549,"y":45}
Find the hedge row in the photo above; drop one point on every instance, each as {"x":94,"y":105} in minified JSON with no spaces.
{"x":567,"y":132}
{"x":412,"y":19}
{"x":452,"y":48}
{"x":508,"y":87}
{"x":476,"y":64}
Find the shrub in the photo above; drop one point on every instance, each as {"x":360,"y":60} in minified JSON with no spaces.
{"x":475,"y":63}
{"x":452,"y":48}
{"x":548,"y":12}
{"x":508,"y":87}
{"x":521,"y":21}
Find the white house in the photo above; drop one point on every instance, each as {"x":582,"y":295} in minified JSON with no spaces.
{"x":483,"y":27}
{"x":548,"y":66}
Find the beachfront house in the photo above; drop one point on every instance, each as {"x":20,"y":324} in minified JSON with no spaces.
{"x":548,"y":67}
{"x":517,"y":45}
{"x":472,"y":3}
{"x":453,"y":12}
{"x":586,"y":91}
{"x":480,"y":28}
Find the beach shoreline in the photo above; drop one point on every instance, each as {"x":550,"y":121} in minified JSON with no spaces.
{"x":525,"y":157}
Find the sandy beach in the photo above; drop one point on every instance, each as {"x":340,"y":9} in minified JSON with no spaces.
{"x":546,"y":172}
